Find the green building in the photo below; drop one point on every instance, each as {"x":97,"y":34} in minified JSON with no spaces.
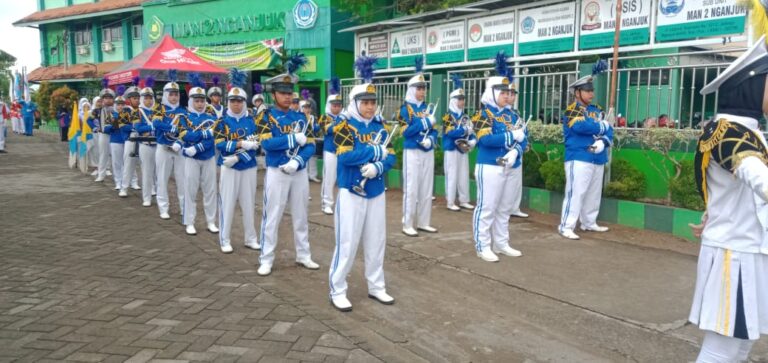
{"x":254,"y":35}
{"x":81,"y":40}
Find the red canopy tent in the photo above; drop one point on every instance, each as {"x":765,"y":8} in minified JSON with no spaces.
{"x":156,"y":60}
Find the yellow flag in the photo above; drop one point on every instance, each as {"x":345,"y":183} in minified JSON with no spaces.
{"x":74,"y":126}
{"x":86,"y":129}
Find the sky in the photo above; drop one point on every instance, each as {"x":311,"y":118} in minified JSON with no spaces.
{"x":22,"y":43}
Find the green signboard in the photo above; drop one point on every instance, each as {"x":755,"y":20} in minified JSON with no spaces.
{"x":698,"y":18}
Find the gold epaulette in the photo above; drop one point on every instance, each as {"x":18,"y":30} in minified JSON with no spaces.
{"x":709,"y":143}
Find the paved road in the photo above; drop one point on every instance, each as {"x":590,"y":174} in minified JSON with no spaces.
{"x":86,"y":276}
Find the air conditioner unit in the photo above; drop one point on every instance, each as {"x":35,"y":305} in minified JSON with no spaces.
{"x":107,"y":47}
{"x":83,"y":49}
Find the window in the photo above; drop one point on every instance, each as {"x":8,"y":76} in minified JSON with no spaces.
{"x":82,"y":37}
{"x":640,"y":78}
{"x":112,"y":34}
{"x":136,"y":31}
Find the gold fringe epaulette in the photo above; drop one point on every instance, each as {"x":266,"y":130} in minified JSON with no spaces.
{"x":715,"y":137}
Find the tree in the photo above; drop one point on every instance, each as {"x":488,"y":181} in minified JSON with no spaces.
{"x":6,"y":76}
{"x":63,"y":96}
{"x":368,"y":10}
{"x":43,"y":100}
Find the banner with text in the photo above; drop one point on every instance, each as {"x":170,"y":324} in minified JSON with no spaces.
{"x":376,"y":46}
{"x":490,"y":34}
{"x":690,"y":19}
{"x":548,"y":29}
{"x":445,"y":43}
{"x":598,"y":23}
{"x":405,"y":46}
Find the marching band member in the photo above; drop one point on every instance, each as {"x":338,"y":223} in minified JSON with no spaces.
{"x":214,"y":94}
{"x":147,"y":149}
{"x":288,"y":149}
{"x":130,"y":178}
{"x":333,"y":106}
{"x":456,"y":158}
{"x":258,"y":99}
{"x":114,"y":128}
{"x":237,"y":183}
{"x":314,"y":130}
{"x":360,"y":160}
{"x":102,"y":114}
{"x":18,"y":127}
{"x":418,"y":155}
{"x":28,"y":109}
{"x":295,"y":102}
{"x":167,"y":157}
{"x":199,"y":163}
{"x":498,"y":148}
{"x":730,"y":302}
{"x":92,"y":142}
{"x":517,"y":167}
{"x":587,"y":143}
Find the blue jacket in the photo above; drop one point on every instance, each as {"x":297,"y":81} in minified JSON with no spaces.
{"x":453,"y":131}
{"x":494,"y":137}
{"x":328,"y":122}
{"x":216,"y":110}
{"x":145,"y":127}
{"x":516,"y":120}
{"x":28,"y":109}
{"x":581,"y":127}
{"x":352,"y":138}
{"x":162,"y":121}
{"x":277,"y":140}
{"x":129,"y":118}
{"x":229,"y":131}
{"x":96,"y":124}
{"x":415,"y":126}
{"x":202,"y":140}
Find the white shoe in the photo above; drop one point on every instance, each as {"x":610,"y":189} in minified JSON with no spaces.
{"x":410,"y":232}
{"x":109,"y":173}
{"x":165,"y":216}
{"x":135,"y":187}
{"x":341,"y":303}
{"x":428,"y":229}
{"x":99,"y":179}
{"x":154,"y":192}
{"x":467,"y":206}
{"x":314,"y":179}
{"x":310,"y":197}
{"x":328,"y":210}
{"x":226,"y":248}
{"x":382,"y":297}
{"x":95,"y":172}
{"x":212,"y":228}
{"x":253,"y":245}
{"x":191,"y":230}
{"x":567,"y":233}
{"x":520,"y":214}
{"x":117,"y":187}
{"x":123,"y":193}
{"x":508,"y":251}
{"x":595,"y":228}
{"x":308,"y":264}
{"x":264,"y":270}
{"x":453,"y":207}
{"x":433,"y":198}
{"x":488,"y":255}
{"x":146,"y":204}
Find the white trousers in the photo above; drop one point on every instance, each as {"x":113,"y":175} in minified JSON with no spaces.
{"x":517,"y":188}
{"x":130,"y":178}
{"x":312,"y":167}
{"x":490,"y":220}
{"x":718,"y":348}
{"x":237,"y":186}
{"x":103,"y":153}
{"x":329,"y":179}
{"x":147,"y":156}
{"x":281,"y":189}
{"x":456,"y":166}
{"x":418,"y":180}
{"x":165,"y":161}
{"x":2,"y":134}
{"x":199,"y":173}
{"x":358,"y":218}
{"x":583,"y":187}
{"x":17,"y":125}
{"x":116,"y":152}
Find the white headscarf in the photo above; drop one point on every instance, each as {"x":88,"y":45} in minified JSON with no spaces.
{"x":165,"y":100}
{"x":328,"y":108}
{"x":410,"y":96}
{"x":352,"y":111}
{"x":453,"y":106}
{"x":95,"y":101}
{"x":80,"y":105}
{"x":191,"y":106}
{"x":488,"y":98}
{"x":141,"y":103}
{"x":238,"y":115}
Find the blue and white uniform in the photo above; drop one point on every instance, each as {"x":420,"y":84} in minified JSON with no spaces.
{"x":517,"y":167}
{"x":584,"y":168}
{"x":456,"y":161}
{"x":147,"y":150}
{"x":167,"y":156}
{"x":100,"y":149}
{"x":199,"y":151}
{"x":130,"y":177}
{"x":286,"y":182}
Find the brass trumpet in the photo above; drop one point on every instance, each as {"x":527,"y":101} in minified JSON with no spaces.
{"x":295,"y":151}
{"x":463,"y":143}
{"x":360,"y":188}
{"x":500,"y":160}
{"x":430,"y":112}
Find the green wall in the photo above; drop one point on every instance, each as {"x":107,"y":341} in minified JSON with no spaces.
{"x":51,"y":4}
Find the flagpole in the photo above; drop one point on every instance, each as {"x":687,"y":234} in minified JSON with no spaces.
{"x":614,"y":76}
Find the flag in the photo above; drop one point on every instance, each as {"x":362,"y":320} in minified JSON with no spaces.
{"x":73,"y":136}
{"x":86,"y":132}
{"x":27,"y":95}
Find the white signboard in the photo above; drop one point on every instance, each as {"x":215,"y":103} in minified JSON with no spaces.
{"x":445,"y":43}
{"x":405,"y":46}
{"x":547,"y":29}
{"x":598,"y":23}
{"x":377,"y":46}
{"x":488,"y":35}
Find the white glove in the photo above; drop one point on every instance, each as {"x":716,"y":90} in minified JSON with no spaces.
{"x":426,"y":143}
{"x":176,"y":147}
{"x":598,"y":147}
{"x":472,"y":142}
{"x":190,"y":151}
{"x":300,"y":138}
{"x":369,"y":171}
{"x":518,"y":135}
{"x":290,"y":167}
{"x":510,"y":157}
{"x":431,"y":119}
{"x":249,"y":145}
{"x":229,"y":161}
